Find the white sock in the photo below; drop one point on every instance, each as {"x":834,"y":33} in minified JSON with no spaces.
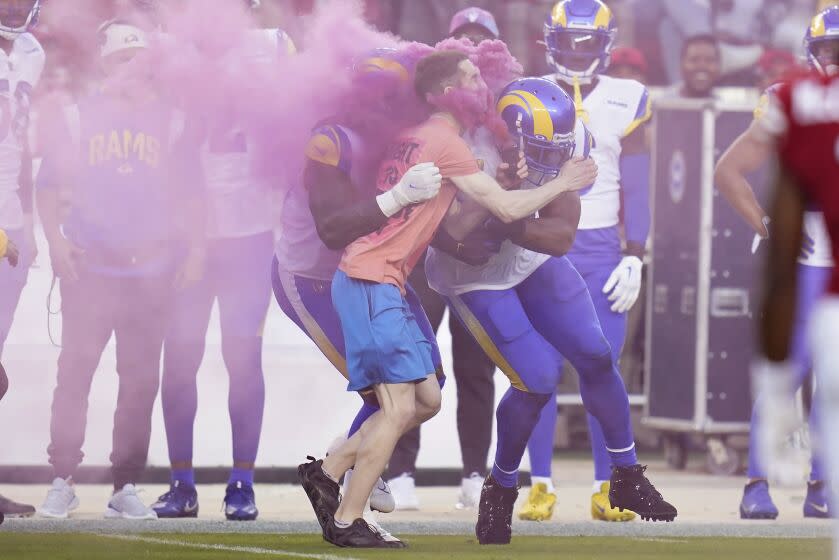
{"x":597,"y":484}
{"x":546,"y":480}
{"x":341,"y":524}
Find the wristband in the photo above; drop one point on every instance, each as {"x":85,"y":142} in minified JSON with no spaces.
{"x":388,"y":204}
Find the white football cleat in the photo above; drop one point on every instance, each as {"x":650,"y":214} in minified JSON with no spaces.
{"x":470,"y":491}
{"x":61,"y":500}
{"x":381,"y":499}
{"x":126,"y":504}
{"x":370,"y":518}
{"x":403,"y":488}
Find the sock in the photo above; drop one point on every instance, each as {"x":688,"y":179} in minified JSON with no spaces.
{"x":623,"y":457}
{"x":597,"y":485}
{"x":366,"y":412}
{"x":547,"y":481}
{"x":184,"y":476}
{"x":341,"y":524}
{"x":517,"y":414}
{"x":541,"y":444}
{"x":245,"y":476}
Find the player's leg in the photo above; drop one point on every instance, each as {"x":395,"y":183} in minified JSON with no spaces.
{"x":473,"y":374}
{"x":823,"y":334}
{"x":12,"y":281}
{"x":244,"y":292}
{"x":142,"y":318}
{"x":558,"y":304}
{"x":498,"y":322}
{"x":87,"y":321}
{"x":757,"y":502}
{"x":542,"y":498}
{"x":182,"y":355}
{"x":595,"y":260}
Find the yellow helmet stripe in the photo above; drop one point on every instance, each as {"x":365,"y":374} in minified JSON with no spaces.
{"x":379,"y":63}
{"x":558,"y":15}
{"x":817,"y":27}
{"x":542,"y":123}
{"x":603,"y":17}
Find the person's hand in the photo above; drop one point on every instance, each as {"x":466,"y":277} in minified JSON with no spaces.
{"x":509,"y":180}
{"x":420,"y":183}
{"x":624,"y":284}
{"x":64,"y":256}
{"x":12,"y":253}
{"x":191,"y":270}
{"x":577,"y":174}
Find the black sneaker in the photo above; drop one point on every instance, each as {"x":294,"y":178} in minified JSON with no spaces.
{"x":323,"y":492}
{"x":495,"y":513}
{"x":357,"y":535}
{"x":13,"y":509}
{"x":630,"y":489}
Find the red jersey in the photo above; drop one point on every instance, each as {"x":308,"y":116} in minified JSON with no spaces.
{"x":804,"y":114}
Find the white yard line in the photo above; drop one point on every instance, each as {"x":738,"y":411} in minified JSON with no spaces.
{"x":226,"y":548}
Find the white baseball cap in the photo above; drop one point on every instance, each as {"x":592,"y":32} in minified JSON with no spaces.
{"x":116,"y":36}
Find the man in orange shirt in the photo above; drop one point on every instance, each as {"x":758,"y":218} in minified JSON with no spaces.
{"x":386,"y":350}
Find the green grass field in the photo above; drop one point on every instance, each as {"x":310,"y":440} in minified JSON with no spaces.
{"x":20,"y":546}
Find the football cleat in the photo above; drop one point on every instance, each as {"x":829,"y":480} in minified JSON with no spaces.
{"x":816,"y":504}
{"x":381,"y":498}
{"x":757,"y":503}
{"x":323,"y":492}
{"x":540,"y":504}
{"x":240,"y":502}
{"x":370,"y":518}
{"x":630,"y":489}
{"x":180,"y":501}
{"x":358,"y":535}
{"x":601,"y":510}
{"x":495,"y":513}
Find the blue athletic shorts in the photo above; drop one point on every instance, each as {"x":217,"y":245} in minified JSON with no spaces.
{"x":383,"y":339}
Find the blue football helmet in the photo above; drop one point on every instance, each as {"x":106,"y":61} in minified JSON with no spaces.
{"x":579,"y":35}
{"x":542,"y":120}
{"x":821,"y":43}
{"x":18,"y":17}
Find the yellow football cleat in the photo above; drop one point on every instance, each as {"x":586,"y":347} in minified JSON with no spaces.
{"x":540,"y":504}
{"x":601,"y":509}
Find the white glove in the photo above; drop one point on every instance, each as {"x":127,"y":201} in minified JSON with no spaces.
{"x":420,"y":183}
{"x":624,"y":284}
{"x":779,"y":441}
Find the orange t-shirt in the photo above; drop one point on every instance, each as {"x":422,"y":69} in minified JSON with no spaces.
{"x":388,"y":256}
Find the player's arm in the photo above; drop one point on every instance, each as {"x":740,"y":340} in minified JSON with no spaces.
{"x":779,"y":299}
{"x":635,"y":184}
{"x":340,"y":217}
{"x":745,"y":155}
{"x":510,"y":206}
{"x":554,"y":230}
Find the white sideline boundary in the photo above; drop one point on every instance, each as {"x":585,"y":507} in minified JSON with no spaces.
{"x":225,"y":548}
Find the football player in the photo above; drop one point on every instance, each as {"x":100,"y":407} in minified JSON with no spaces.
{"x":529,"y":304}
{"x":21,"y":63}
{"x":750,"y":151}
{"x":579,"y":35}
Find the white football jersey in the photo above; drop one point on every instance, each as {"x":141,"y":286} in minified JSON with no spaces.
{"x":20,"y":72}
{"x":614,"y":109}
{"x":239,"y":204}
{"x":511,"y":266}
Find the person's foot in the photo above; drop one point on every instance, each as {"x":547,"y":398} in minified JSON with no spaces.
{"x":404,"y":491}
{"x":126,"y":504}
{"x":323,"y":492}
{"x":470,"y":491}
{"x":10,"y":509}
{"x":816,"y":504}
{"x":180,"y":501}
{"x":757,"y":503}
{"x":357,"y":535}
{"x":601,"y":510}
{"x":370,"y":518}
{"x":381,"y":499}
{"x":240,"y":502}
{"x":495,"y":513}
{"x":540,"y":504}
{"x":630,"y":489}
{"x":60,"y":501}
